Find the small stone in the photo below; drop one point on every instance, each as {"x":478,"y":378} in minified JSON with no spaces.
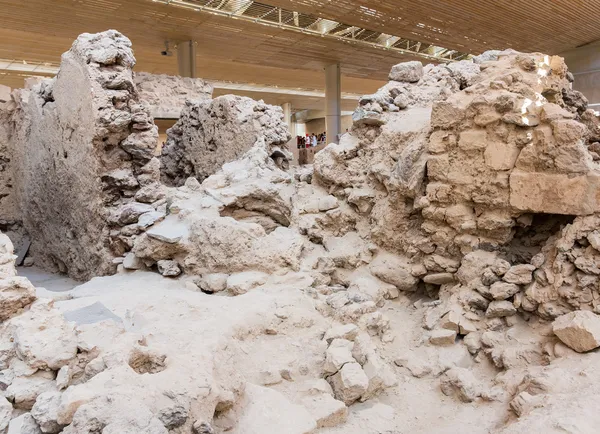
{"x":460,"y":382}
{"x":129,"y":213}
{"x":24,"y":424}
{"x":337,"y":355}
{"x":63,"y":378}
{"x":173,"y":416}
{"x":350,"y":383}
{"x":28,"y":262}
{"x":213,"y":282}
{"x":401,"y":101}
{"x":417,"y":368}
{"x":473,"y":342}
{"x":45,"y":412}
{"x":439,"y":278}
{"x":579,"y":330}
{"x":167,"y":232}
{"x":132,"y":262}
{"x":192,"y":183}
{"x":442,"y":337}
{"x":451,"y":321}
{"x":202,"y":427}
{"x":327,"y":203}
{"x":594,"y":239}
{"x":499,"y":309}
{"x":326,"y":410}
{"x":317,"y":387}
{"x":148,"y":219}
{"x":379,"y":374}
{"x":168,"y":268}
{"x":503,"y":290}
{"x":519,"y":274}
{"x":466,"y":327}
{"x":346,"y":331}
{"x":286,"y":374}
{"x":6,"y":410}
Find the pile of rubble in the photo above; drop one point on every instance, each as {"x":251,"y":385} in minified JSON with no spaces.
{"x":446,"y":251}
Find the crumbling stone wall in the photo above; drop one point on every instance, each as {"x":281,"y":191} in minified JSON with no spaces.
{"x":213,"y":132}
{"x":468,"y":173}
{"x":85,"y":156}
{"x":10,"y":218}
{"x":166,"y":94}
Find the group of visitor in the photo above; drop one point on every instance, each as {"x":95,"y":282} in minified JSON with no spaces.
{"x":311,"y":140}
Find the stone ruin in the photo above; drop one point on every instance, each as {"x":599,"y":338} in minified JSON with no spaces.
{"x":446,"y":251}
{"x":213,"y":132}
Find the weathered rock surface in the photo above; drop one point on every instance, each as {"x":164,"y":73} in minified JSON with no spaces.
{"x":214,"y":132}
{"x":82,"y":135}
{"x":166,"y":94}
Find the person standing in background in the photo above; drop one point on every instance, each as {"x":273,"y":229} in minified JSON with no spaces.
{"x":307,"y":141}
{"x":313,"y":140}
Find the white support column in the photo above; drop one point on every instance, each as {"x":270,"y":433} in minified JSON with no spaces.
{"x":287,"y":114}
{"x":291,"y":123}
{"x":333,"y":100}
{"x":186,"y":58}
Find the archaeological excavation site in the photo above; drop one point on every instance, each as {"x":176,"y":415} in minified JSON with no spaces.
{"x":178,"y":256}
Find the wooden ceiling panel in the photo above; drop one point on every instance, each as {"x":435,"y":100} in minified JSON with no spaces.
{"x":243,"y":51}
{"x":149,"y":24}
{"x":468,"y":25}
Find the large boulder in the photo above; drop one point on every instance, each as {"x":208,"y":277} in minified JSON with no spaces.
{"x":213,"y":132}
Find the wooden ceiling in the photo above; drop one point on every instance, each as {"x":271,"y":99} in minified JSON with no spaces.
{"x":42,"y":29}
{"x":236,"y":50}
{"x":473,"y":26}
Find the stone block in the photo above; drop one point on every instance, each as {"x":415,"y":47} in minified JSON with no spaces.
{"x":472,"y":140}
{"x":578,"y":330}
{"x":501,"y":156}
{"x":553,"y":193}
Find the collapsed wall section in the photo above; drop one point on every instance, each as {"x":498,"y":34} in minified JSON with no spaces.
{"x":482,"y":177}
{"x":85,"y":150}
{"x":213,"y":132}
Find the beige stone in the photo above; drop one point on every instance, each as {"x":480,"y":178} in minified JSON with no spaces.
{"x":501,"y":156}
{"x":442,"y":337}
{"x":350,"y":383}
{"x":554,"y":193}
{"x":579,"y":330}
{"x":472,"y":140}
{"x":326,"y":410}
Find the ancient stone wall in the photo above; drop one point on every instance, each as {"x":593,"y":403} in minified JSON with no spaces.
{"x":166,"y":94}
{"x":84,"y":149}
{"x":10,"y":218}
{"x":213,"y":132}
{"x":475,"y":171}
